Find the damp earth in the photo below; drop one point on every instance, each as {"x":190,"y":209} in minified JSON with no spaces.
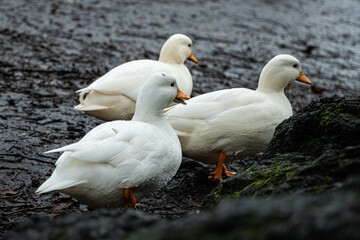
{"x":50,"y":49}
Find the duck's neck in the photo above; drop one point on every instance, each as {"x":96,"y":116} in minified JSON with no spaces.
{"x":152,"y":113}
{"x":148,"y":118}
{"x":169,"y":58}
{"x":148,"y":108}
{"x":270,"y":85}
{"x":168,"y":55}
{"x":271,"y":81}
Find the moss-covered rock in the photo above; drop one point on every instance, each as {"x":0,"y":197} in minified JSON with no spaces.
{"x":327,"y":123}
{"x":313,"y":151}
{"x":289,"y":173}
{"x":260,"y":180}
{"x":329,"y":216}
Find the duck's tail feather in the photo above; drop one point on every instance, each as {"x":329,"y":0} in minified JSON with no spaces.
{"x":82,"y":107}
{"x":52,"y":185}
{"x":86,"y":105}
{"x":81,"y":90}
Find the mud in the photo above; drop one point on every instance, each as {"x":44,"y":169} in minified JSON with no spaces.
{"x":51,"y":49}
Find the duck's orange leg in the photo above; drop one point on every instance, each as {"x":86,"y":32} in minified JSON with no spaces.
{"x":216,"y":175}
{"x":220,"y":169}
{"x":130,"y":200}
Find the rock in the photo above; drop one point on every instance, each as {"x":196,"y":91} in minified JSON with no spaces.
{"x":290,"y":173}
{"x":329,"y":216}
{"x":327,"y":123}
{"x":311,"y":152}
{"x":104,"y":224}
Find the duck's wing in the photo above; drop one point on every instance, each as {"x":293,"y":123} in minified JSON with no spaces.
{"x":124,"y":79}
{"x":132,"y":148}
{"x":218,"y":120}
{"x":202,"y":109}
{"x":106,"y":141}
{"x":95,"y":136}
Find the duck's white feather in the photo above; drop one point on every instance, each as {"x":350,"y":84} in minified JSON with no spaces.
{"x":52,"y":185}
{"x":90,"y":107}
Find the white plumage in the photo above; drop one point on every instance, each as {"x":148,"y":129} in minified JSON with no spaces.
{"x":142,"y":154}
{"x":114,"y":95}
{"x":236,"y":122}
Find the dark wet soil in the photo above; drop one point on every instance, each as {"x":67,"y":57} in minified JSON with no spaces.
{"x":49,"y":49}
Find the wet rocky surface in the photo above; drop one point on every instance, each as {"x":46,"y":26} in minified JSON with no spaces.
{"x":330,"y":216}
{"x":296,"y":194}
{"x":51,"y":49}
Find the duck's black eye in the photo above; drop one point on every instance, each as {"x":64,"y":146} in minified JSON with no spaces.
{"x":295,"y":65}
{"x":189,"y":45}
{"x":172,"y":84}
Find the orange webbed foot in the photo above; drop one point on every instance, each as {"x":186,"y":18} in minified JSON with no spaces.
{"x":227,"y":173}
{"x":215,"y":178}
{"x":220,"y":170}
{"x":216,"y":175}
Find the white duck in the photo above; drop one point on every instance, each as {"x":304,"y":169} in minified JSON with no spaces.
{"x":120,"y":161}
{"x":230,"y":124}
{"x":113,"y":96}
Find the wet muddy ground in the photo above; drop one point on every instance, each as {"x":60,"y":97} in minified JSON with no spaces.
{"x":49,"y":49}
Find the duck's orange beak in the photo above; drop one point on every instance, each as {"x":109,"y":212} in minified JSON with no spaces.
{"x":303,"y":78}
{"x":193,"y":58}
{"x":180,"y":96}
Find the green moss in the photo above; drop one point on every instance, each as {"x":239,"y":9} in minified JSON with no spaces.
{"x":331,"y":114}
{"x":254,"y":181}
{"x":266,"y":179}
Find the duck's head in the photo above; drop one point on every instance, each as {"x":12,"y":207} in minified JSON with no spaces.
{"x":177,"y":49}
{"x":279,"y":72}
{"x":158,"y":91}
